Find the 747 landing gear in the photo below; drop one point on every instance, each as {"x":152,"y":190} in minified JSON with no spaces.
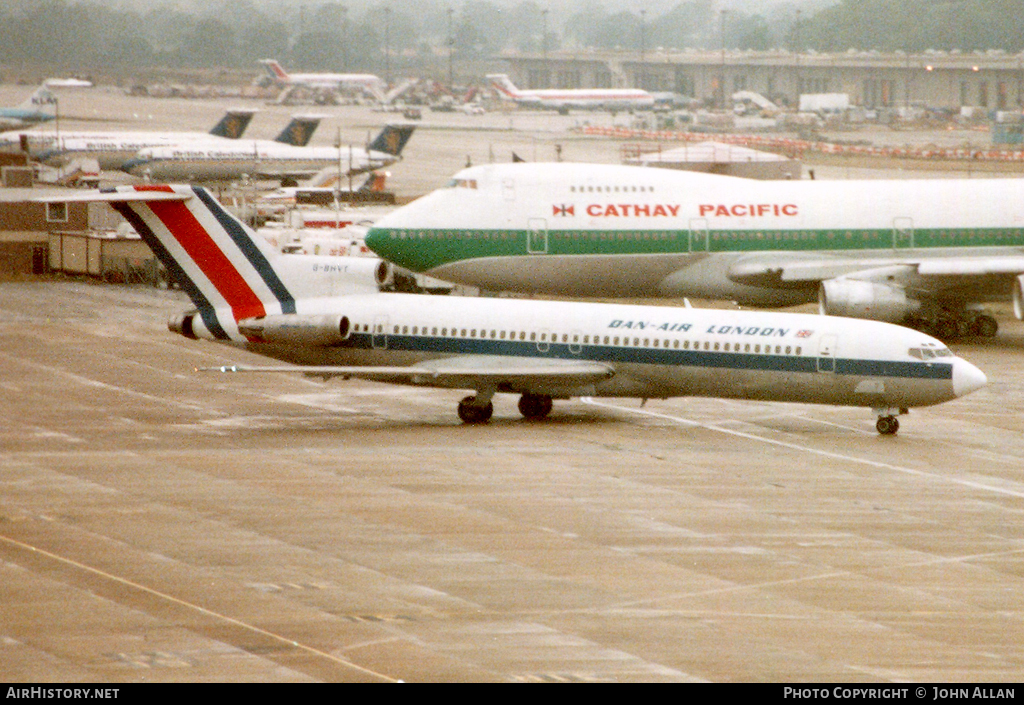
{"x":534,"y":406}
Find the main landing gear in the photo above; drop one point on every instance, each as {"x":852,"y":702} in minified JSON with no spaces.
{"x":888,"y":424}
{"x":478,"y":409}
{"x":953,"y":324}
{"x":534,"y":407}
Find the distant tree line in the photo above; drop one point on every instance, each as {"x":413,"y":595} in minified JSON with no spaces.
{"x":330,"y":36}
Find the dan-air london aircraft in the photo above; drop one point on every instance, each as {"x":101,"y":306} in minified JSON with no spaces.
{"x":921,"y":253}
{"x":564,"y":99}
{"x":39,"y":107}
{"x":307,"y":311}
{"x":222,"y":161}
{"x":119,"y":150}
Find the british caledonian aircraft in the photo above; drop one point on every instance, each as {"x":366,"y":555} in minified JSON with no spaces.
{"x":921,"y":253}
{"x":117,"y":150}
{"x":39,"y":107}
{"x":223,"y":161}
{"x":564,"y":99}
{"x":44,"y":147}
{"x":301,"y":310}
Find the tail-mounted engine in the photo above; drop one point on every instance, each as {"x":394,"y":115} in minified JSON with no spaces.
{"x":188,"y":324}
{"x":297,"y":329}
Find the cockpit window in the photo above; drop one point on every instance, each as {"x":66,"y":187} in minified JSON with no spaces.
{"x":929,"y":353}
{"x":461,"y":183}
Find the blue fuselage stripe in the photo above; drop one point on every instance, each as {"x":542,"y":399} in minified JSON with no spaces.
{"x":654,"y":356}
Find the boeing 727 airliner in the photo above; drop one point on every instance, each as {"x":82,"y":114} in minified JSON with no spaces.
{"x":921,"y":253}
{"x":563,"y":99}
{"x":248,"y":296}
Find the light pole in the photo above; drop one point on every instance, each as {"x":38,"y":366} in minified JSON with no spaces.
{"x":721,"y":73}
{"x":643,"y":48}
{"x":544,"y":45}
{"x":451,"y":52}
{"x":344,"y":38}
{"x":387,"y":46}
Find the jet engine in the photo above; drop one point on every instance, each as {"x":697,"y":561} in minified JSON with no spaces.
{"x":855,"y":298}
{"x":1018,"y":297}
{"x":297,"y":329}
{"x":189,"y":324}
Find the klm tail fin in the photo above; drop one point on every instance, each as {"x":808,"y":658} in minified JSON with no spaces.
{"x":392,"y":139}
{"x":42,"y":101}
{"x":275,"y":70}
{"x":234,"y":123}
{"x":300,"y":130}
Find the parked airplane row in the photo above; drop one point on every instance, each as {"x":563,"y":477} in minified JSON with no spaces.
{"x":923,"y":253}
{"x":219,"y":155}
{"x":325,"y":317}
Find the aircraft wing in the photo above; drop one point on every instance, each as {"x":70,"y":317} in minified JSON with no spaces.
{"x":462,"y":372}
{"x":783,"y":272}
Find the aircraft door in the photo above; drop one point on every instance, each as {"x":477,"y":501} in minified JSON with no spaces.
{"x":508,"y":190}
{"x":576,"y":342}
{"x":827,"y":354}
{"x":902,"y":233}
{"x":537,"y":236}
{"x":380,"y":333}
{"x":544,"y":340}
{"x":698,"y":234}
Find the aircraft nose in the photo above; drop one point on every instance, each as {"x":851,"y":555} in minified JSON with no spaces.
{"x":967,"y":378}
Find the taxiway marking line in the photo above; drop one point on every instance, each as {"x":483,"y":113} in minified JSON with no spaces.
{"x":197,"y":608}
{"x":807,"y":449}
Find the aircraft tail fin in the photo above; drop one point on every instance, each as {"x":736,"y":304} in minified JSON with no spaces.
{"x":503,"y":84}
{"x":41,"y":101}
{"x":230,"y":273}
{"x":300,"y":130}
{"x":392,"y":139}
{"x":275,"y":70}
{"x":234,"y":123}
{"x":227,"y":270}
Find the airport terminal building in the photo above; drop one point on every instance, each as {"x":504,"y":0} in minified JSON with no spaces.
{"x":990,"y":81}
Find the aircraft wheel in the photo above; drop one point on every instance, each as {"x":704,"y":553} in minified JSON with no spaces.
{"x":472,"y":412}
{"x":535,"y":406}
{"x":985,"y":326}
{"x":946,"y":330}
{"x":887,"y":425}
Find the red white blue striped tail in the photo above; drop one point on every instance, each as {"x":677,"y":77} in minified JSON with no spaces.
{"x":227,"y":271}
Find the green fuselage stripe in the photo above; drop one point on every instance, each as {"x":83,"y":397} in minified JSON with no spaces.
{"x":422,"y":250}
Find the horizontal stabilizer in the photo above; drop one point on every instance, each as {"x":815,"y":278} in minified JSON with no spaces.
{"x":125,"y":194}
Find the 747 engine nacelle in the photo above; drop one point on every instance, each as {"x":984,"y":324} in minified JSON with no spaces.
{"x":855,"y":298}
{"x":297,"y":329}
{"x":1018,"y":297}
